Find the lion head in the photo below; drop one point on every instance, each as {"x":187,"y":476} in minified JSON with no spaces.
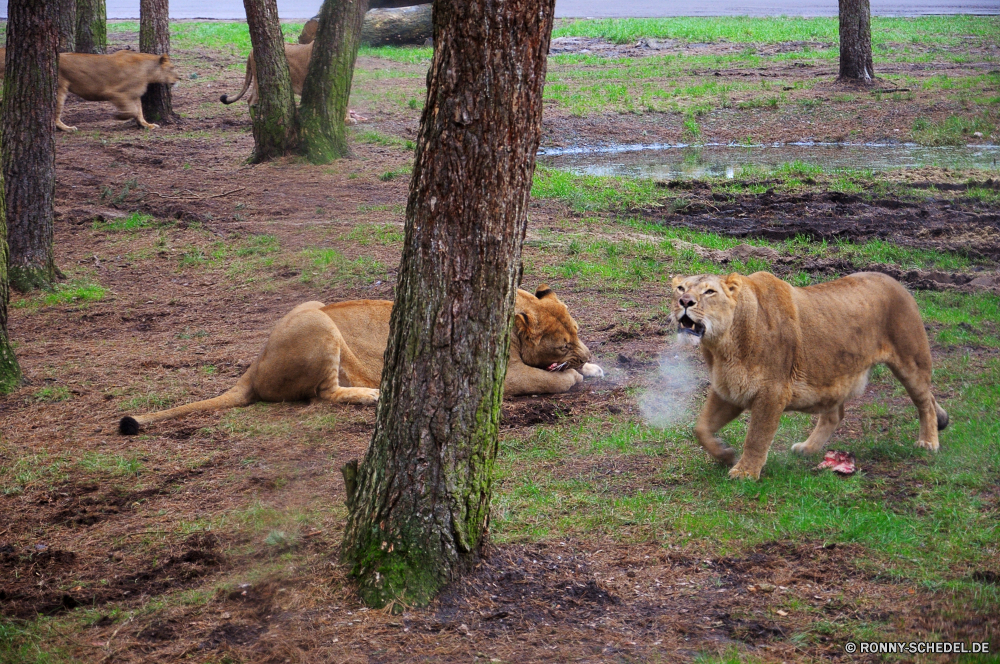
{"x":166,"y":72}
{"x":703,"y":306}
{"x":546,"y":335}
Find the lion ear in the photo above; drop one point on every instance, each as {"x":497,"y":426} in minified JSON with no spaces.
{"x":543,"y":291}
{"x":164,"y":59}
{"x":523,"y":325}
{"x":733,"y":283}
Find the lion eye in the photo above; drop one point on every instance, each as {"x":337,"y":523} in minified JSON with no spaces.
{"x":680,"y":289}
{"x":709,"y":292}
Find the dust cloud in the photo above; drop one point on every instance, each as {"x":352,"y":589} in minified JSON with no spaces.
{"x":669,"y":400}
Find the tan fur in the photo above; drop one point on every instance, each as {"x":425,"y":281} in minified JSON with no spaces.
{"x":771,"y":348}
{"x":120,"y":78}
{"x":335,"y":353}
{"x":298,"y":56}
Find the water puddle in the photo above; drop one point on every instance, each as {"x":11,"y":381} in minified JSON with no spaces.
{"x":673,"y":162}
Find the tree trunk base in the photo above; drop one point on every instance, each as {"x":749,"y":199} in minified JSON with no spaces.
{"x":25,"y":280}
{"x":10,"y":372}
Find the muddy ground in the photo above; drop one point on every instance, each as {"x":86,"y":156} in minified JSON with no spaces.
{"x":164,"y":555}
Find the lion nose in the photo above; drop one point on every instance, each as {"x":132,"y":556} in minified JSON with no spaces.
{"x":686,"y":301}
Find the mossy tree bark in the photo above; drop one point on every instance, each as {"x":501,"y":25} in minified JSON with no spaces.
{"x":67,"y":26}
{"x":154,"y":37}
{"x":275,"y":121}
{"x":29,"y":150}
{"x":419,"y":500}
{"x":327,"y":88}
{"x":91,"y":26}
{"x":10,"y":372}
{"x":856,"y":42}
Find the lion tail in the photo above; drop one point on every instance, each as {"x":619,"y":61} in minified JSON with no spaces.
{"x":942,"y":417}
{"x":226,"y":99}
{"x":241,"y":394}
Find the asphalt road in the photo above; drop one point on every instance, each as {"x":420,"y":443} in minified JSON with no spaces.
{"x":292,"y":9}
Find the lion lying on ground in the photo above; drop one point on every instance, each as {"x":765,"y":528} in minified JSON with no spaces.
{"x":335,"y":353}
{"x":120,"y":78}
{"x":771,"y":347}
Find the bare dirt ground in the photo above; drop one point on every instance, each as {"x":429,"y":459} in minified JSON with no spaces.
{"x":158,"y":537}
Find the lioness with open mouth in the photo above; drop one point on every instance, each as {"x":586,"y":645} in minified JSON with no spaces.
{"x":771,"y":347}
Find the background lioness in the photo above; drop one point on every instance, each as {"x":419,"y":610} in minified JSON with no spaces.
{"x":335,"y":353}
{"x":298,"y":56}
{"x":120,"y":78}
{"x":771,"y":347}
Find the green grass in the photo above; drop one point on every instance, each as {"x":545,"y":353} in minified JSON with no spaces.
{"x":584,"y":193}
{"x":111,"y":464}
{"x":383,"y":234}
{"x":332,"y":266}
{"x":52,"y":394}
{"x":130,"y":224}
{"x":940,"y":30}
{"x":77,"y":292}
{"x":953,"y":130}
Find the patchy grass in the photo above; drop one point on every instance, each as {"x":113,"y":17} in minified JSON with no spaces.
{"x":79,"y":292}
{"x":941,"y":30}
{"x":133,"y":222}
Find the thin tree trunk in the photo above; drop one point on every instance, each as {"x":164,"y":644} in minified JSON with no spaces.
{"x":10,"y":372}
{"x":91,"y":26}
{"x":327,"y":87}
{"x":154,"y":37}
{"x":275,"y":124}
{"x":67,"y":26}
{"x":856,"y":41}
{"x":29,"y":151}
{"x":419,"y":501}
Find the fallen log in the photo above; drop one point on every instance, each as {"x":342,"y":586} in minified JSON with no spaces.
{"x":400,"y":26}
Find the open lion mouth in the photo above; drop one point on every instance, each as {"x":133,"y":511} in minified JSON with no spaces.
{"x":686,"y":325}
{"x":556,"y":367}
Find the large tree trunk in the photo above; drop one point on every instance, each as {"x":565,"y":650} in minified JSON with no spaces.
{"x":29,"y":150}
{"x":856,"y":41}
{"x":10,"y":372}
{"x":327,"y":87}
{"x":67,"y":26}
{"x":419,"y":501}
{"x":154,"y":37}
{"x":275,"y":124}
{"x":91,"y":26}
{"x":386,"y":27}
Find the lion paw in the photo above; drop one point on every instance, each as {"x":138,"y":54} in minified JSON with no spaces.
{"x":739,"y":472}
{"x":65,"y":127}
{"x":803,"y":448}
{"x":370,"y":396}
{"x":928,"y":445}
{"x":727,"y":456}
{"x":591,"y":370}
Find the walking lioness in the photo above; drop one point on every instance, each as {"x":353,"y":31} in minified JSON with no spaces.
{"x":335,"y":353}
{"x":771,"y":347}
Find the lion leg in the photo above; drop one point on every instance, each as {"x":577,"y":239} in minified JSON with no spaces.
{"x":331,"y":390}
{"x":716,"y":414}
{"x":132,"y":108}
{"x":916,"y":378}
{"x":347,"y":370}
{"x":765,"y":416}
{"x":825,"y":426}
{"x":60,"y":102}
